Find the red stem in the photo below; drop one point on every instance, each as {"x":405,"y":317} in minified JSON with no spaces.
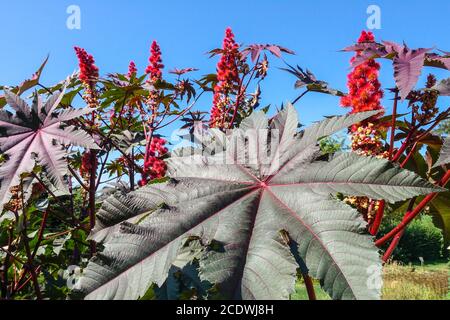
{"x":392,"y":246}
{"x":394,"y":243}
{"x":378,"y":218}
{"x":29,"y":266}
{"x":403,"y":147}
{"x":309,"y":287}
{"x":380,"y":212}
{"x":4,"y":287}
{"x":41,"y":233}
{"x":398,"y":236}
{"x":241,"y":91}
{"x":38,"y":269}
{"x":394,"y":118}
{"x":413,"y":149}
{"x":402,"y":225}
{"x":131,"y":171}
{"x":236,"y":106}
{"x":92,"y":190}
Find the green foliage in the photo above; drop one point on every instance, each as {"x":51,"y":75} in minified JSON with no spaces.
{"x":444,"y":127}
{"x":61,"y":245}
{"x":331,"y":145}
{"x":421,"y":239}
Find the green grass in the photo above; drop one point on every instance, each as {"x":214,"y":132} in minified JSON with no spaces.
{"x":301,"y":294}
{"x":414,"y":282}
{"x":428,"y":282}
{"x":434,"y":266}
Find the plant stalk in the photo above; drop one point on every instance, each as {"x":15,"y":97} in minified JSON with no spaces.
{"x":29,"y":265}
{"x":40,"y":233}
{"x":394,"y":118}
{"x":378,"y":218}
{"x":398,"y":236}
{"x":309,"y":287}
{"x":92,"y":190}
{"x":402,"y":225}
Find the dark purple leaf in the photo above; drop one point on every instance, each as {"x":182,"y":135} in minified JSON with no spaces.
{"x":275,"y":51}
{"x":407,"y":68}
{"x":29,"y":137}
{"x":308,"y":80}
{"x":180,"y":72}
{"x":255,"y":51}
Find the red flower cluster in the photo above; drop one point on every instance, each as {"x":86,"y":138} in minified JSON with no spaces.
{"x":88,"y":76}
{"x":364,"y":88}
{"x":154,"y":69}
{"x":132,"y":70}
{"x":154,"y":165}
{"x":88,"y":162}
{"x":366,"y":36}
{"x":365,"y":95}
{"x":227,"y":67}
{"x":228,"y":78}
{"x":88,"y":69}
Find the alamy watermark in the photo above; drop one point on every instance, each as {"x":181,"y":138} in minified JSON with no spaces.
{"x":374,"y":19}
{"x":73,"y":274}
{"x":250,"y":147}
{"x":73,"y":21}
{"x":374,"y":279}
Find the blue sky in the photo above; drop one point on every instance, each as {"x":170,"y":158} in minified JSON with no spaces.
{"x":116,"y":32}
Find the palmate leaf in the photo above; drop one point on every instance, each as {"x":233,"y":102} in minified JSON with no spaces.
{"x":248,"y":208}
{"x":308,"y":80}
{"x":35,"y":135}
{"x":408,"y":66}
{"x":255,"y":51}
{"x":407,"y":63}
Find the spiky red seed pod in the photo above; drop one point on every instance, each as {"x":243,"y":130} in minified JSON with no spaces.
{"x":365,"y":92}
{"x":88,"y":69}
{"x":154,"y":69}
{"x":37,"y":189}
{"x":155,"y":167}
{"x":366,"y":36}
{"x":132,"y":70}
{"x":228,"y":79}
{"x":87,"y":164}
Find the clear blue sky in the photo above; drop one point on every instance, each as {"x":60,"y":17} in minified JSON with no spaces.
{"x":118,"y":31}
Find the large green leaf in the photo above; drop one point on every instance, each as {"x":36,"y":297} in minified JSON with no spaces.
{"x":257,"y":212}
